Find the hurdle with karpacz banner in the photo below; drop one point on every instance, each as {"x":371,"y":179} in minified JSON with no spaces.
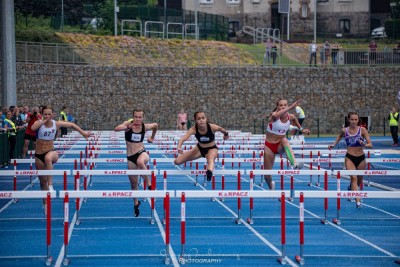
{"x":302,"y":195}
{"x":183,"y":194}
{"x":48,"y":195}
{"x":152,"y":173}
{"x":107,"y":194}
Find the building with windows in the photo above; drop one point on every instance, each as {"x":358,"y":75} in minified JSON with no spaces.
{"x":347,"y":17}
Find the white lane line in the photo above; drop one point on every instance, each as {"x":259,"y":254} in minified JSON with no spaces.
{"x":278,"y":251}
{"x":160,"y":227}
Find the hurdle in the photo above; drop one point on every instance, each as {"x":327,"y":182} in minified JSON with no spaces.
{"x":356,"y":194}
{"x":327,"y":152}
{"x":48,"y":195}
{"x":78,"y":173}
{"x":332,"y":194}
{"x":200,"y":172}
{"x":232,"y":194}
{"x":15,"y":173}
{"x":283,"y":173}
{"x":107,"y":194}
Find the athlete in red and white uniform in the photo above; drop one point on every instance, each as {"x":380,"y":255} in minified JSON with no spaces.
{"x":276,"y":141}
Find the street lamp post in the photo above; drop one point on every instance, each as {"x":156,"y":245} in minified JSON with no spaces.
{"x":62,"y":16}
{"x":315,"y":21}
{"x":196,"y":7}
{"x":116,"y":10}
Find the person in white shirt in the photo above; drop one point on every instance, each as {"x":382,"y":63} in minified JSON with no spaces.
{"x":300,"y":117}
{"x":313,"y":53}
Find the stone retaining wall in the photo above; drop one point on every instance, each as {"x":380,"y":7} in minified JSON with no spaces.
{"x":236,"y":98}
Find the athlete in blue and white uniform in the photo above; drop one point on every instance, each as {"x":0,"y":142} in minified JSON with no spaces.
{"x":135,"y":131}
{"x":276,"y":141}
{"x":356,"y":139}
{"x":206,"y":147}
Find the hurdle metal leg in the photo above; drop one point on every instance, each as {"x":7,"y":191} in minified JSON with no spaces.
{"x":282,"y":259}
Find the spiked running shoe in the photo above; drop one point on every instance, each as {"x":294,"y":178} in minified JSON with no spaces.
{"x":209,"y":175}
{"x":136,"y":209}
{"x":298,"y":166}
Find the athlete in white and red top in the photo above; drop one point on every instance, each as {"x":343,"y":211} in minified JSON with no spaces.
{"x":45,"y":156}
{"x":276,"y":141}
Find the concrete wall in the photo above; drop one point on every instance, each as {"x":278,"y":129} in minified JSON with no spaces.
{"x":236,"y":98}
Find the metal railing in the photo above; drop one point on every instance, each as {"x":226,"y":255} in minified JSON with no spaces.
{"x":48,"y":53}
{"x":191,"y":56}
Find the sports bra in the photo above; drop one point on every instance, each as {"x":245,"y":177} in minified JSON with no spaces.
{"x":44,"y":133}
{"x":279,"y":128}
{"x":206,"y":138}
{"x":353,"y":140}
{"x":132,"y":137}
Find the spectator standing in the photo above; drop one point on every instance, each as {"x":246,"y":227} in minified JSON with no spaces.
{"x":300,"y":117}
{"x":372,"y":52}
{"x":327,"y":52}
{"x":335,"y":51}
{"x":268,"y":46}
{"x":24,"y":114}
{"x":17,"y":118}
{"x":398,"y":97}
{"x":30,"y":135}
{"x":394,"y":126}
{"x":64,"y":117}
{"x":313,"y":53}
{"x":274,"y":53}
{"x":11,"y":129}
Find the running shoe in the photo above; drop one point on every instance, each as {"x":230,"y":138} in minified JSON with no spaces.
{"x":358,"y":205}
{"x":149,"y":187}
{"x":350,"y":199}
{"x":51,"y":188}
{"x":136,"y":209}
{"x":209,"y":175}
{"x":272,"y":186}
{"x":298,"y":166}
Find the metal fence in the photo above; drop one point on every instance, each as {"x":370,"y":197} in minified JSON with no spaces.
{"x":190,"y":56}
{"x":210,"y":26}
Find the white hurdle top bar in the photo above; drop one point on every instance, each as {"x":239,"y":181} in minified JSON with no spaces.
{"x":367,"y":172}
{"x":26,"y":194}
{"x":348,"y":194}
{"x":114,"y":172}
{"x":116,"y":193}
{"x":231,"y":194}
{"x":201,"y":172}
{"x":33,"y":172}
{"x":288,"y":172}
